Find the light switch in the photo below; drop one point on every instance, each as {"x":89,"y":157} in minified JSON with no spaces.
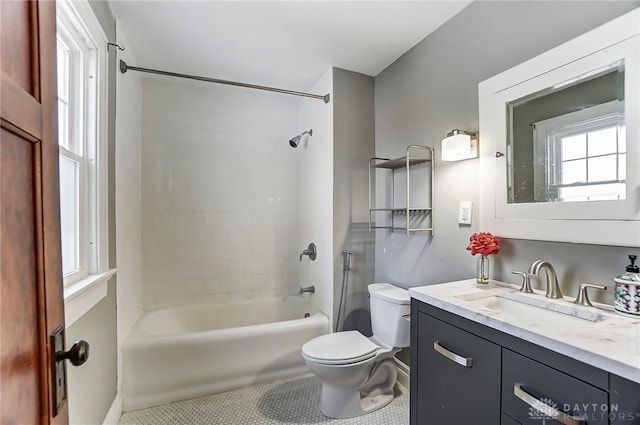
{"x":464,"y":213}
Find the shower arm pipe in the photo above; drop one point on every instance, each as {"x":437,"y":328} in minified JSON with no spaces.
{"x":124,"y":68}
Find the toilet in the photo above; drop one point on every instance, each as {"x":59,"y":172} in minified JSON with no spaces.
{"x":358,"y":373}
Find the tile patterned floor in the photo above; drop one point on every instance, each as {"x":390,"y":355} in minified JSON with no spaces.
{"x":288,"y":401}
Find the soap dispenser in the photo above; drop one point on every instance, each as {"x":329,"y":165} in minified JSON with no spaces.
{"x":627,"y":298}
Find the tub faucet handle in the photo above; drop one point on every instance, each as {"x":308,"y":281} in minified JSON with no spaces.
{"x":311,"y":251}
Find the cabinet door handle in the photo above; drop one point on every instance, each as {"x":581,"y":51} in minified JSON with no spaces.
{"x":461,"y":360}
{"x":544,"y":408}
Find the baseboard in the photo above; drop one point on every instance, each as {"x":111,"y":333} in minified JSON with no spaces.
{"x":114,"y":413}
{"x":403,"y":373}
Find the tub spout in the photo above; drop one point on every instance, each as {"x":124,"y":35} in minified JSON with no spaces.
{"x":311,"y":289}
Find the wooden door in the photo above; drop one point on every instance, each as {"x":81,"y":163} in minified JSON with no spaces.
{"x":31,"y":303}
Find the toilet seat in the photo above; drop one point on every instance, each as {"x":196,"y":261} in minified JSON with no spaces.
{"x":339,"y":348}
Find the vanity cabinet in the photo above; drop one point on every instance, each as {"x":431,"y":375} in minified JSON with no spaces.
{"x":506,"y":420}
{"x":461,"y":384}
{"x":625,"y":398}
{"x":525,"y":382}
{"x":486,"y":376}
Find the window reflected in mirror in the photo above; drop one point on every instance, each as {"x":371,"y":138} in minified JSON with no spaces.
{"x":568,"y":143}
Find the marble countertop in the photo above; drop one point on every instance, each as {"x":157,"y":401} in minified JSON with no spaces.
{"x":596,"y":336}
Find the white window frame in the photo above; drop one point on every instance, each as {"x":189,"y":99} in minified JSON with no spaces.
{"x":547,"y":134}
{"x":79,"y":135}
{"x":86,"y":287}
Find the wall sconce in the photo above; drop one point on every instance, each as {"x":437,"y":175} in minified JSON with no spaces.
{"x":459,"y":145}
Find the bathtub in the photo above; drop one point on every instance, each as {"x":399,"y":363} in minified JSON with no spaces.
{"x":185,"y":352}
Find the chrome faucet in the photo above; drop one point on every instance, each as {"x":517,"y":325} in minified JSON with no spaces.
{"x":311,"y":251}
{"x":553,"y":289}
{"x":311,"y":289}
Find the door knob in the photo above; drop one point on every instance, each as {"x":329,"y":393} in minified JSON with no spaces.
{"x":77,"y":354}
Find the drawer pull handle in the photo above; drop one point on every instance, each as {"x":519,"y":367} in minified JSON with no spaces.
{"x":544,"y":408}
{"x":463,"y":361}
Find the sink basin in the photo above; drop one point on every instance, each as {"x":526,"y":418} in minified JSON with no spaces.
{"x":530,"y":314}
{"x":534,"y":312}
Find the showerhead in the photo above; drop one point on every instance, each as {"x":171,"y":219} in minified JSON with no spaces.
{"x":296,"y":140}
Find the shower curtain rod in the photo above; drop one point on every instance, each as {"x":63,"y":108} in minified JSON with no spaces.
{"x":124,"y":68}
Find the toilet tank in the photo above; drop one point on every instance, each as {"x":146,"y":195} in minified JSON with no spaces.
{"x":390,"y":310}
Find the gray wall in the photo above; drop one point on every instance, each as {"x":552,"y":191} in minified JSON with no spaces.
{"x":93,"y":386}
{"x":353,"y":141}
{"x":432,"y":89}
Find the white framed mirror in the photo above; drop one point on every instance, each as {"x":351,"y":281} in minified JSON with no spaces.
{"x":560,"y":141}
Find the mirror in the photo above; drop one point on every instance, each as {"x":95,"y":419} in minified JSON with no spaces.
{"x":560,"y":141}
{"x":567,"y":143}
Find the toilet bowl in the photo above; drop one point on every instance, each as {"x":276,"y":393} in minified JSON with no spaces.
{"x":358,"y":373}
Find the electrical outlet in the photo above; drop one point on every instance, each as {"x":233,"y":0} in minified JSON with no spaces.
{"x":464,"y":212}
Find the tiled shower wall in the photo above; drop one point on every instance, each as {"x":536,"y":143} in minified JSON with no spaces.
{"x":315,"y":193}
{"x":219,"y":193}
{"x":128,"y":230}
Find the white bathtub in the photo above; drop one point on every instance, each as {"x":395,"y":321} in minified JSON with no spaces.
{"x":185,"y":352}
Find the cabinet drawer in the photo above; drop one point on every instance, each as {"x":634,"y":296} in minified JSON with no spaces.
{"x":458,"y":376}
{"x":625,"y":401}
{"x":527,"y":386}
{"x":507,"y":420}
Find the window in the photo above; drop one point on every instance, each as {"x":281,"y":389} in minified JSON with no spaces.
{"x":585,"y":155}
{"x":591,"y":165}
{"x":81,"y":67}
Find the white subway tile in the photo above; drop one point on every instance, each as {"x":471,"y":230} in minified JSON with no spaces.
{"x":219,"y":188}
{"x":229,"y":284}
{"x":149,"y":303}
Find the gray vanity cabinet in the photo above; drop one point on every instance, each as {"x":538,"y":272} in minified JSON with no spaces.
{"x":507,"y":420}
{"x":466,"y":373}
{"x":525,"y":381}
{"x":460,"y":373}
{"x":625,"y":401}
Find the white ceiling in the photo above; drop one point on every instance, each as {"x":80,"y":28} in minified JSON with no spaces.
{"x":287,"y":44}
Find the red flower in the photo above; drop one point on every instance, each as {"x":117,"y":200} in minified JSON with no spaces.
{"x":483,"y":243}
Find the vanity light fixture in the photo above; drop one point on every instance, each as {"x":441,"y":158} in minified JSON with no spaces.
{"x":459,"y":145}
